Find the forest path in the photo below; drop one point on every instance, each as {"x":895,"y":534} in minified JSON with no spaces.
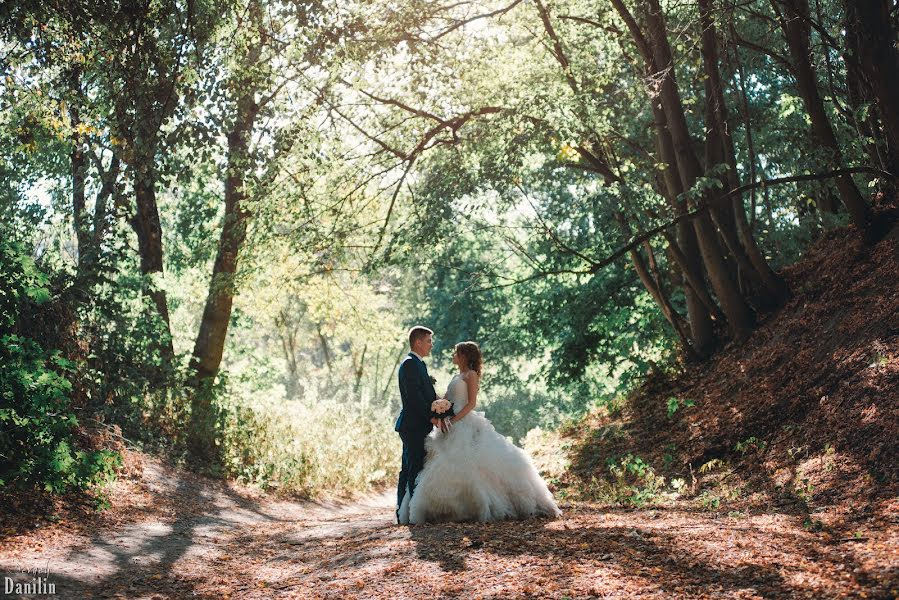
{"x":171,"y":534}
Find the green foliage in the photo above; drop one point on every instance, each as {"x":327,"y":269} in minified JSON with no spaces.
{"x":312,"y":450}
{"x":37,"y":422}
{"x":673,"y":404}
{"x":751,"y":444}
{"x":517,"y":409}
{"x":631,"y":482}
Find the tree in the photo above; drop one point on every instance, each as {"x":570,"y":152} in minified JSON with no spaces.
{"x":873,"y":24}
{"x":795,"y":19}
{"x":153,"y":41}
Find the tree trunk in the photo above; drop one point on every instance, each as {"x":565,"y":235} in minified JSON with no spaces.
{"x":654,"y":287}
{"x":287,"y":332}
{"x":101,"y":210}
{"x":882,"y":150}
{"x":691,"y":282}
{"x":359,"y":369}
{"x":149,"y":243}
{"x":770,"y":290}
{"x":79,"y":177}
{"x":326,"y":352}
{"x":147,"y":75}
{"x":210,"y":343}
{"x":89,"y":256}
{"x":868,"y":127}
{"x":700,"y":306}
{"x":796,"y":28}
{"x":739,"y":315}
{"x":747,"y":124}
{"x":878,"y":57}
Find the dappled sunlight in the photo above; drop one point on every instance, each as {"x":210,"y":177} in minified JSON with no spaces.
{"x":223,"y":542}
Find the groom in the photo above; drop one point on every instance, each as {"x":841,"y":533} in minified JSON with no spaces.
{"x":415,"y":422}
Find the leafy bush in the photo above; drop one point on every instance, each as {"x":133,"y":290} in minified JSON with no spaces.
{"x":37,"y":422}
{"x":306,"y":448}
{"x":633,"y":482}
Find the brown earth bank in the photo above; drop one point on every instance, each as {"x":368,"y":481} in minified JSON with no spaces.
{"x":805,"y":413}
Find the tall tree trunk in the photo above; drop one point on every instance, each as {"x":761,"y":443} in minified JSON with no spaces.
{"x":700,"y":307}
{"x":146,"y":99}
{"x":149,"y":243}
{"x":868,"y":126}
{"x":89,"y":256}
{"x":326,"y":351}
{"x":685,"y":249}
{"x":739,"y":316}
{"x":747,"y":125}
{"x":795,"y":24}
{"x":102,"y":212}
{"x":79,"y":169}
{"x":210,"y":344}
{"x":872,"y":129}
{"x":359,"y":369}
{"x":878,"y":57}
{"x":287,"y":333}
{"x":654,"y":287}
{"x":770,"y":290}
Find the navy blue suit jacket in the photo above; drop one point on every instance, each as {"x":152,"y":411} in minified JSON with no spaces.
{"x":417,"y":393}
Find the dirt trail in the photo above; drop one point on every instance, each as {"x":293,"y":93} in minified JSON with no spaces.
{"x":175,"y":535}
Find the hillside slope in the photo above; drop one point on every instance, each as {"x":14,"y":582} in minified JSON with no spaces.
{"x":806,"y":413}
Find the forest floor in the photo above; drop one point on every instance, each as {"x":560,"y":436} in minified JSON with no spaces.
{"x":173,"y":534}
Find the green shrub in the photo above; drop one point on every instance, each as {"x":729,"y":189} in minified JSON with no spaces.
{"x":306,"y":449}
{"x":37,"y":423}
{"x":632,"y":482}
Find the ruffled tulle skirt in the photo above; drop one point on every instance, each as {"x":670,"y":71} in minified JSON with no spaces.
{"x":472,"y":473}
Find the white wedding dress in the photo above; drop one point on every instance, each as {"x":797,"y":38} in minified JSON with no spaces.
{"x":472,"y":473}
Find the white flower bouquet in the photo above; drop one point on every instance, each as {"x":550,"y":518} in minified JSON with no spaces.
{"x":442,"y":409}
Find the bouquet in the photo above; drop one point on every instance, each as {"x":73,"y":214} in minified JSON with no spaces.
{"x":442,"y":409}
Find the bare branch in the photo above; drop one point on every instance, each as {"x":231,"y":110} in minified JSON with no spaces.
{"x":464,"y":22}
{"x":597,"y":24}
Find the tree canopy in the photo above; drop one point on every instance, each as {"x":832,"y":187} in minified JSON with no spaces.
{"x":217,"y":219}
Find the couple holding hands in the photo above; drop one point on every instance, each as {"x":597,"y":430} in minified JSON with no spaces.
{"x":455,"y":466}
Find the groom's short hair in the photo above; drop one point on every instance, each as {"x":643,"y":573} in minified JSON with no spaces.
{"x":418,"y":332}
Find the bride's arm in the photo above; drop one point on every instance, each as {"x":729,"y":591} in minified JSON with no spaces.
{"x":471,"y":380}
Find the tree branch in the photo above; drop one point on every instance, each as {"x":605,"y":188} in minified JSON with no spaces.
{"x":464,"y":22}
{"x":645,"y":236}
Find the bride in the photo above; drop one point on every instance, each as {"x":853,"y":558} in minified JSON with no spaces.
{"x":472,"y":473}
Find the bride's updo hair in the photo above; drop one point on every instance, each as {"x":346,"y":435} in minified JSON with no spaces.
{"x":471,"y":355}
